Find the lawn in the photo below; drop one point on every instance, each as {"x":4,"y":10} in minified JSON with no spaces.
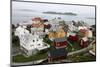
{"x":21,"y":58}
{"x":73,"y":47}
{"x":82,"y":58}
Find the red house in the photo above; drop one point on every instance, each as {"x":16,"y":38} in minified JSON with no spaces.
{"x":73,"y":38}
{"x":47,"y":26}
{"x":60,"y":42}
{"x":84,"y":42}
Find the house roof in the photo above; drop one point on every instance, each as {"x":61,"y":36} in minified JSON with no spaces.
{"x":85,"y":38}
{"x":38,"y":25}
{"x":82,"y":27}
{"x":36,"y":18}
{"x":60,"y":39}
{"x":58,"y":52}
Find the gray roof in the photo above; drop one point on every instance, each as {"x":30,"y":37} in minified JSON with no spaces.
{"x":58,"y":52}
{"x":60,"y":39}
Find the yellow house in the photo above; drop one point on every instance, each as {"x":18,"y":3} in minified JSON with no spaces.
{"x":57,"y":34}
{"x":61,"y":33}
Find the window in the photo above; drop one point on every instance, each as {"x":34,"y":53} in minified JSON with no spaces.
{"x":58,"y":44}
{"x":38,"y":44}
{"x":37,"y":39}
{"x":33,"y":40}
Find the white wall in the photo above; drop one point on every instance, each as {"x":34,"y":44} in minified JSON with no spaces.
{"x":5,"y":33}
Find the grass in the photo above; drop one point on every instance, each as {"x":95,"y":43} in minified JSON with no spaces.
{"x":75,"y":46}
{"x":82,"y":58}
{"x":21,"y":58}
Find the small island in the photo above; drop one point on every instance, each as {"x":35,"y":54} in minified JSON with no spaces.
{"x":60,"y":13}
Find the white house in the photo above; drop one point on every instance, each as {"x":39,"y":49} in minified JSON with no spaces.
{"x":72,"y":27}
{"x":82,"y":27}
{"x":54,"y":25}
{"x":29,"y":43}
{"x":90,"y":34}
{"x":38,"y":31}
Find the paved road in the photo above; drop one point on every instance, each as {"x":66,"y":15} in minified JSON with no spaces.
{"x":29,"y":63}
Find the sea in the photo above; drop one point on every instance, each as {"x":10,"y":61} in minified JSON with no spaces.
{"x":25,"y":16}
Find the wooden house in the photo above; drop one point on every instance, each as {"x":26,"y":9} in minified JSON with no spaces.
{"x":57,"y":34}
{"x":60,"y":43}
{"x":84,"y":42}
{"x":73,"y":38}
{"x":57,"y":55}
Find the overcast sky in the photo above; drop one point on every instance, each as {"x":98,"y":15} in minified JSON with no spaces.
{"x":41,"y":7}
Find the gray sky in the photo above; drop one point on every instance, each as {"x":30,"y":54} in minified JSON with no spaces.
{"x":41,"y":7}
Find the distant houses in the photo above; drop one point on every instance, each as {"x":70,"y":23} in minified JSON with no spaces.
{"x":40,"y":26}
{"x":37,"y":26}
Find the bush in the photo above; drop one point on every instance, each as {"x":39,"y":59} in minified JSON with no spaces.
{"x":15,"y":41}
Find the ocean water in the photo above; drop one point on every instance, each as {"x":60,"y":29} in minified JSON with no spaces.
{"x":24,"y":16}
{"x":25,"y":11}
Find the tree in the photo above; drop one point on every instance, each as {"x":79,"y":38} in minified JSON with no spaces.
{"x":47,"y":40}
{"x":15,"y":41}
{"x":13,"y":26}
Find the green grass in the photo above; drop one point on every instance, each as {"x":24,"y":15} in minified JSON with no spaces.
{"x":75,"y":46}
{"x":21,"y":58}
{"x":82,"y":58}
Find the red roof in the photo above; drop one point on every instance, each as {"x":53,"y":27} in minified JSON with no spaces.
{"x":73,"y":38}
{"x":83,"y":30}
{"x":36,"y":19}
